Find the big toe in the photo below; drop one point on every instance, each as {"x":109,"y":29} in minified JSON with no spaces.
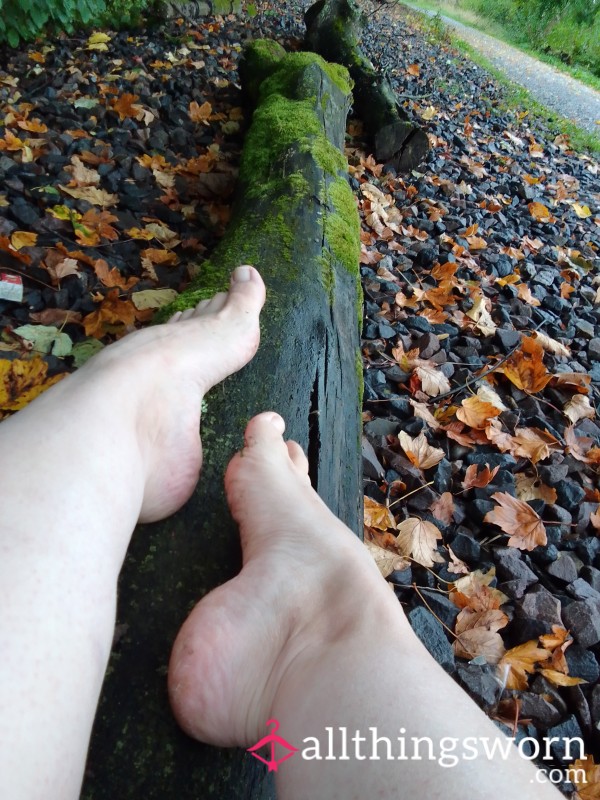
{"x":246,"y":293}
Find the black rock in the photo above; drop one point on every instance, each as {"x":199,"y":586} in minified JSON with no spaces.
{"x":493,"y":459}
{"x":582,"y":663}
{"x":481,"y":682}
{"x":511,"y":568}
{"x":591,"y":575}
{"x":565,"y":747}
{"x":565,"y":568}
{"x":552,"y":474}
{"x":569,"y":494}
{"x":465,"y":546}
{"x":443,"y":476}
{"x":419,"y":324}
{"x":480,"y":508}
{"x":431,"y":633}
{"x":441,"y":606}
{"x":541,"y":712}
{"x":507,"y":339}
{"x":539,"y":605}
{"x":582,"y":618}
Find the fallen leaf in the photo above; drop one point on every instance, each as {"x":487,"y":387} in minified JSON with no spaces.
{"x":583,"y":212}
{"x":581,"y":447}
{"x":83,"y":351}
{"x":488,"y":394}
{"x":476,"y":413}
{"x":433,"y":380}
{"x":530,"y":488}
{"x":81,"y":175}
{"x":422,"y":411}
{"x":551,"y":345}
{"x":518,"y":520}
{"x":525,"y":367}
{"x":443,"y":508}
{"x":559,"y":678}
{"x":521,"y":661}
{"x":20,"y":239}
{"x":61,"y":269}
{"x":93,"y":195}
{"x":21,"y":381}
{"x":455,"y":565}
{"x":474,"y":591}
{"x":481,"y":316}
{"x":98,"y":41}
{"x":595,"y":519}
{"x":588,"y":785}
{"x":579,"y":407}
{"x":419,"y":452}
{"x":200,"y":113}
{"x":539,"y":212}
{"x":414,"y":70}
{"x":112,"y":313}
{"x":55,"y":316}
{"x":477,"y":634}
{"x":477,"y":480}
{"x":387,"y":562}
{"x":377,"y":515}
{"x":418,"y":539}
{"x":524,"y":294}
{"x":153,"y":298}
{"x":46,"y":339}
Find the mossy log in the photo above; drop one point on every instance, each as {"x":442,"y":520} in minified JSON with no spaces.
{"x":295,"y":218}
{"x":333,"y":29}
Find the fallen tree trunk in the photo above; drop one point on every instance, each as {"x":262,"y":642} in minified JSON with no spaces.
{"x":295,"y":218}
{"x":333,"y":29}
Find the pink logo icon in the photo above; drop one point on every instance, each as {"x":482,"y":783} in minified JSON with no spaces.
{"x":272,"y":740}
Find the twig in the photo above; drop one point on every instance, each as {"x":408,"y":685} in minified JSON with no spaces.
{"x":414,"y":491}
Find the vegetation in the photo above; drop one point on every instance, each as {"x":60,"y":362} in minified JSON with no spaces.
{"x":26,"y":19}
{"x":565,"y":33}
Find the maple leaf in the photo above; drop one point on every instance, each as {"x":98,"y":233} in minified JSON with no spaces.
{"x":588,"y":786}
{"x":488,"y":394}
{"x":126,"y":106}
{"x":525,"y":368}
{"x":476,"y":413}
{"x":113,"y":313}
{"x":559,"y":678}
{"x":519,"y":662}
{"x":579,"y":407}
{"x":419,"y":452}
{"x":540,"y":213}
{"x":61,"y":268}
{"x":524,"y":293}
{"x":518,"y":520}
{"x":414,"y":70}
{"x":418,"y":539}
{"x":55,"y":316}
{"x":474,"y":591}
{"x":433,"y":380}
{"x":21,"y":381}
{"x":551,"y":345}
{"x":200,"y":113}
{"x":422,"y":411}
{"x":99,"y":223}
{"x":387,"y":562}
{"x":112,"y":277}
{"x":93,"y":195}
{"x":477,"y":634}
{"x":377,"y":515}
{"x":529,"y":488}
{"x":477,"y":480}
{"x":81,"y":175}
{"x":580,"y":447}
{"x":454,"y":431}
{"x":533,"y":443}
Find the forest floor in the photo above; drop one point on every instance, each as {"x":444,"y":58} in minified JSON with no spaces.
{"x":481,"y":337}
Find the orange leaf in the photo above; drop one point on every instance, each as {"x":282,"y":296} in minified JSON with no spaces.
{"x":525,"y":368}
{"x":413,"y":69}
{"x":477,"y":634}
{"x":473,"y":591}
{"x":200,"y":113}
{"x":518,"y":520}
{"x":595,"y":519}
{"x":477,"y":480}
{"x":125,"y":105}
{"x":112,"y":277}
{"x":112,"y":313}
{"x":539,"y":212}
{"x":476,"y":413}
{"x":588,"y":785}
{"x":525,"y":295}
{"x":377,"y":515}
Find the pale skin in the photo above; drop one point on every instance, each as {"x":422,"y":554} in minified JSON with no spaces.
{"x":308,"y":632}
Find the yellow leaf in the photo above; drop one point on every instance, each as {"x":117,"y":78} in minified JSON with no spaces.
{"x":22,"y":381}
{"x":539,"y":212}
{"x":582,"y":211}
{"x":476,"y":413}
{"x":153,"y":298}
{"x":481,"y":316}
{"x":559,"y":678}
{"x":429,"y":113}
{"x":387,"y":562}
{"x":3,"y":201}
{"x":93,"y":195}
{"x":378,"y":516}
{"x":21,"y":239}
{"x":200,"y":113}
{"x":521,"y":661}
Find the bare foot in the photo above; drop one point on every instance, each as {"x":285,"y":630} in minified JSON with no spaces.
{"x":170,"y":368}
{"x":295,"y":594}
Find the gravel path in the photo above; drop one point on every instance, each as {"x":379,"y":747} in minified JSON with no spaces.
{"x":566,"y":96}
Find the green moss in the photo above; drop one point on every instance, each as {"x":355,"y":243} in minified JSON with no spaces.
{"x":342,"y":228}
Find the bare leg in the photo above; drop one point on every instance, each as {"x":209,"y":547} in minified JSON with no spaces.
{"x":310,"y":634}
{"x":115,"y":442}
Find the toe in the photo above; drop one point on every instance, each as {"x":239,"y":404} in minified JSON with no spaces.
{"x":175,"y":318}
{"x":211,"y":306}
{"x":265,"y":429}
{"x":247,"y":291}
{"x":297,"y":457}
{"x":187,"y":314}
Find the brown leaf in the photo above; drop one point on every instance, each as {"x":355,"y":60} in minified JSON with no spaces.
{"x":112,"y":277}
{"x":125,"y":106}
{"x":455,"y":565}
{"x":443,"y":508}
{"x":525,"y":368}
{"x":530,"y":488}
{"x":387,"y":562}
{"x":551,"y":345}
{"x":518,"y":520}
{"x":477,"y":480}
{"x":419,"y":452}
{"x":588,"y":784}
{"x":433,"y":380}
{"x":200,"y":113}
{"x":81,"y":175}
{"x":581,"y":447}
{"x":476,"y":413}
{"x":55,"y":316}
{"x":595,"y":519}
{"x":422,"y":411}
{"x":579,"y":381}
{"x":539,"y":212}
{"x":112,"y":313}
{"x":418,"y":539}
{"x":474,"y":591}
{"x":93,"y":195}
{"x":477,"y":634}
{"x":377,"y":515}
{"x":521,"y":661}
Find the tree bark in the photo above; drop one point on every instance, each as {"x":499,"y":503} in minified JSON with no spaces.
{"x":333,"y":29}
{"x":296,"y":220}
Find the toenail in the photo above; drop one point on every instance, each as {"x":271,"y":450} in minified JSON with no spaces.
{"x":241,"y":274}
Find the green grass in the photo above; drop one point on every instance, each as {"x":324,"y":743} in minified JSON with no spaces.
{"x":516,"y":98}
{"x":505,"y":34}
